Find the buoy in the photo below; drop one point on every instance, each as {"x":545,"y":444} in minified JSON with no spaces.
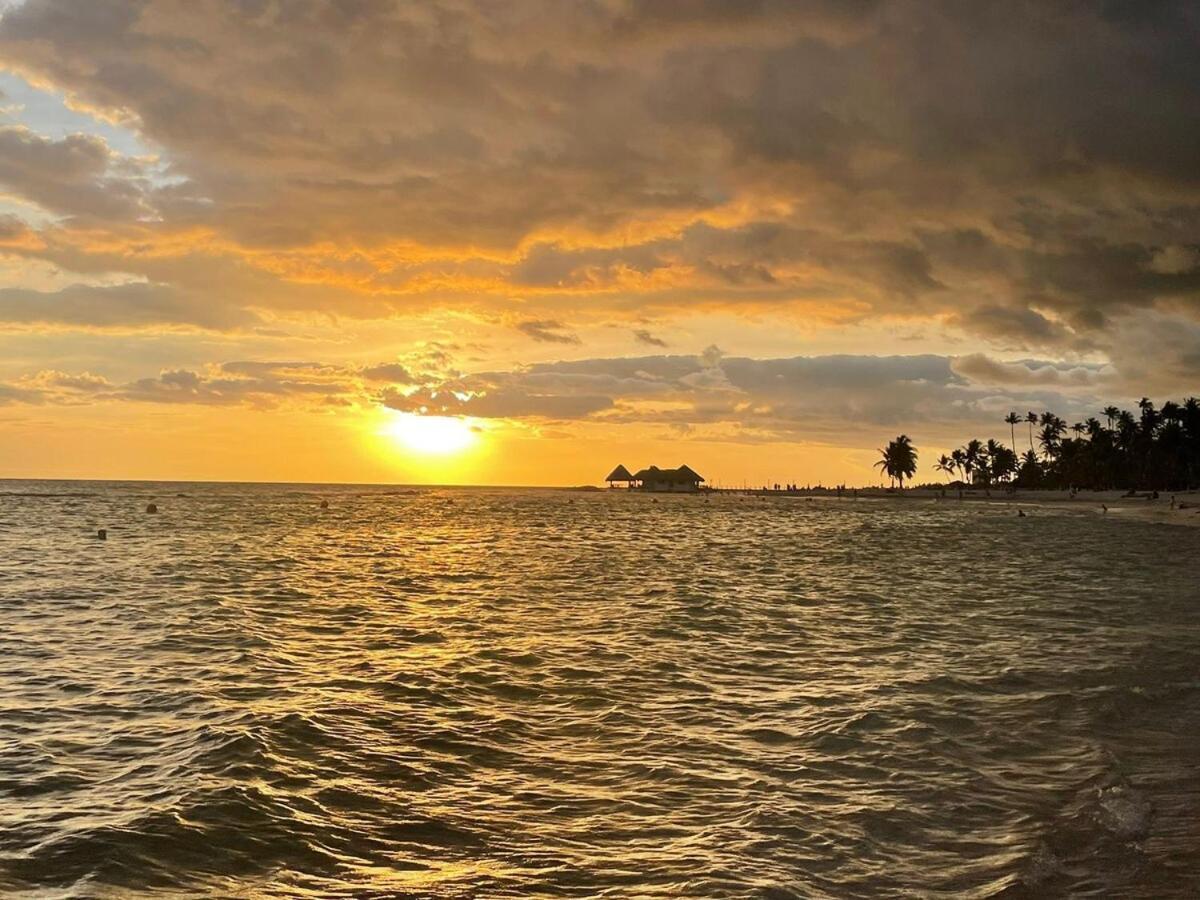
{"x":324,"y":504}
{"x":102,"y":534}
{"x":151,"y":507}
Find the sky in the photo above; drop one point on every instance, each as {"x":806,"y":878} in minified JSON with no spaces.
{"x":484,"y":242}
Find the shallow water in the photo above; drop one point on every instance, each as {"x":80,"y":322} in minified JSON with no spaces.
{"x":463,"y":693}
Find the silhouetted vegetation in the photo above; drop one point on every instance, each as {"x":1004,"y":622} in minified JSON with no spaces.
{"x":1156,"y":449}
{"x":898,"y":459}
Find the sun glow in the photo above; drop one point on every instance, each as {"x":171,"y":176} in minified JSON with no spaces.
{"x":431,"y":435}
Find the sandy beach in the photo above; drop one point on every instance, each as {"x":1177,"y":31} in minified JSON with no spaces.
{"x":1120,"y":504}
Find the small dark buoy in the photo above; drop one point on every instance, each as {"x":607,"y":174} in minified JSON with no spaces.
{"x":102,"y":534}
{"x":324,"y":504}
{"x":151,"y":507}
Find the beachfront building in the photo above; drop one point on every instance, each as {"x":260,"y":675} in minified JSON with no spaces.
{"x":619,"y":475}
{"x":678,"y":480}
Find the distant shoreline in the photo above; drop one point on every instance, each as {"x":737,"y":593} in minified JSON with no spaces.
{"x":1141,"y":506}
{"x":1119,"y":504}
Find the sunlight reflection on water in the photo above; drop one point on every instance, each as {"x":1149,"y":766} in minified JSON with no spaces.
{"x":483,"y":692}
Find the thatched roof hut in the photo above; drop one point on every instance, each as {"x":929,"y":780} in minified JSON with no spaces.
{"x":656,"y":479}
{"x":620,"y":473}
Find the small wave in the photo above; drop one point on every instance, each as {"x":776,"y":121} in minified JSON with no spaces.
{"x":499,"y":698}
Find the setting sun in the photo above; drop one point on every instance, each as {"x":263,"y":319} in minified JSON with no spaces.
{"x":431,"y":435}
{"x":613,"y":447}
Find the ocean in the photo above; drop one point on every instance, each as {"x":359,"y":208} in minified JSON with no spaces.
{"x":510,"y":693}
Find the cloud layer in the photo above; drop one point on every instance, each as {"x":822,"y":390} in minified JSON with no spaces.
{"x":1026,"y":171}
{"x":1014,"y":188}
{"x":841,"y":398}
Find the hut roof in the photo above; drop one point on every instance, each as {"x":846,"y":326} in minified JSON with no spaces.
{"x":682,"y":475}
{"x":620,"y":473}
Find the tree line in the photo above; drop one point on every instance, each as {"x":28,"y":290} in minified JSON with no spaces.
{"x":1154,"y":449}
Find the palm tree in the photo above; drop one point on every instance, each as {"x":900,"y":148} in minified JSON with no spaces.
{"x":988,"y":459}
{"x":960,"y":461}
{"x":884,"y":464}
{"x":1111,"y":413}
{"x":898,"y":459}
{"x":944,"y":464}
{"x":1053,"y":428}
{"x":1126,"y":428}
{"x":906,"y":459}
{"x":1030,"y":473}
{"x":972,"y":457}
{"x":1149,"y":416}
{"x":1011,"y":420}
{"x":1003,"y":463}
{"x":1156,"y":450}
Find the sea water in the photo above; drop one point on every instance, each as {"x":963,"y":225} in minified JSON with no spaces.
{"x":489,"y":693}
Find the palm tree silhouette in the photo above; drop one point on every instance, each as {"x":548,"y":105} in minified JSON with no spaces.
{"x":960,"y":461}
{"x":944,"y":464}
{"x":1154,"y":448}
{"x":1011,"y":420}
{"x":898,"y":459}
{"x":884,"y":464}
{"x":972,"y":458}
{"x":1111,"y":413}
{"x":1053,"y":429}
{"x":1003,"y":463}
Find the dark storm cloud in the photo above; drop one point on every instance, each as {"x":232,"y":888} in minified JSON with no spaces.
{"x":1026,"y":171}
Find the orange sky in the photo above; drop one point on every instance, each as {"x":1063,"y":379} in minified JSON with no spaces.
{"x":264,"y":242}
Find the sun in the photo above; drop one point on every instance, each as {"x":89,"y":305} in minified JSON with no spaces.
{"x":431,"y":435}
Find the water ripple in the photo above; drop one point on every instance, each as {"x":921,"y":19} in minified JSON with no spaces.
{"x":462,"y":693}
